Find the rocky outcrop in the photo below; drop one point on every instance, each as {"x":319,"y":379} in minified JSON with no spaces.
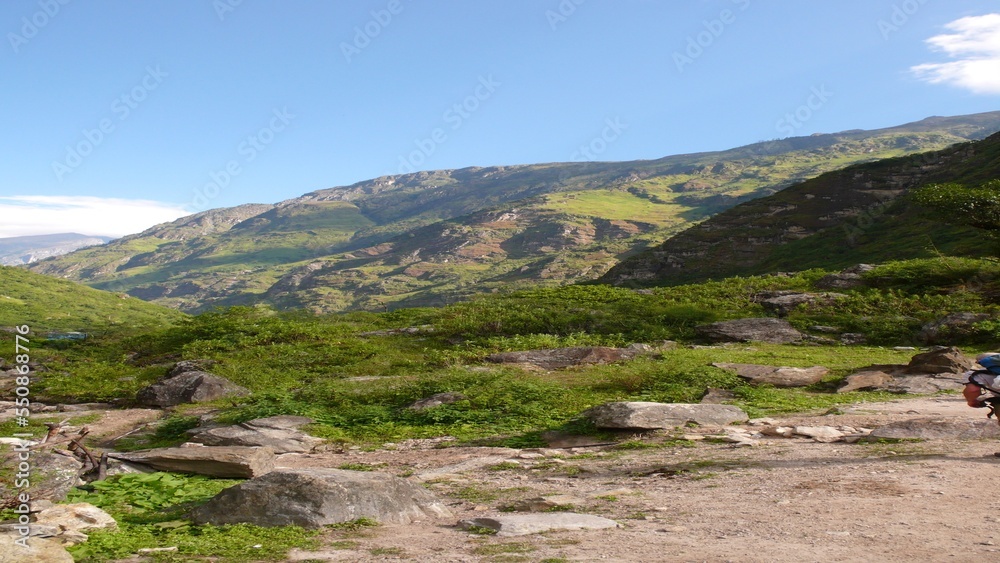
{"x":436,"y":400}
{"x":776,"y":376}
{"x":313,"y":498}
{"x":775,"y":331}
{"x":937,"y":370}
{"x":231,"y":462}
{"x":280,"y":433}
{"x":781,"y":303}
{"x":640,"y":415}
{"x":188,"y":387}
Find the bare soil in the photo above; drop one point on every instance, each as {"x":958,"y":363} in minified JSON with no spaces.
{"x":787,"y":499}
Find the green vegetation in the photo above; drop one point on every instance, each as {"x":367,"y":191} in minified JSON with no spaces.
{"x":977,"y":206}
{"x":150,"y":510}
{"x":304,"y":364}
{"x":47,"y":304}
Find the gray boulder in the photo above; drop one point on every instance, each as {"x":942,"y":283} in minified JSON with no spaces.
{"x":53,"y":476}
{"x":312,"y":498}
{"x":775,"y":331}
{"x":280,"y":433}
{"x":899,"y":379}
{"x":850,"y":278}
{"x":233,"y":462}
{"x":185,"y":366}
{"x":938,"y":429}
{"x":188,"y":387}
{"x":640,"y":415}
{"x":777,"y":376}
{"x":781,"y":303}
{"x":524,"y":524}
{"x":38,"y":550}
{"x":940,"y":360}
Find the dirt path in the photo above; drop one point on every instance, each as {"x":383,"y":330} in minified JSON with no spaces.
{"x":784,"y":500}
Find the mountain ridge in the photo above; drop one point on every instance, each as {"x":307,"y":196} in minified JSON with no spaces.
{"x":385,"y":241}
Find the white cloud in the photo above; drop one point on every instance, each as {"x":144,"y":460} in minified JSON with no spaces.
{"x":39,"y":215}
{"x":975,"y":43}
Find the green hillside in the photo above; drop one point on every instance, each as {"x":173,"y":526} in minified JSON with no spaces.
{"x":855,"y":215}
{"x":45,"y":303}
{"x":431,"y":238}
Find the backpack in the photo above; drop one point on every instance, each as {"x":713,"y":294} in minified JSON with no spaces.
{"x":991,"y":363}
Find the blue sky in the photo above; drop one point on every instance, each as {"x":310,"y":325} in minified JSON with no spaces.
{"x":120,"y":115}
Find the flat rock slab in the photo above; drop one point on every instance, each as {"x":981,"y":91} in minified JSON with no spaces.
{"x":777,"y":376}
{"x":232,"y":462}
{"x":525,"y":524}
{"x":775,"y":331}
{"x":899,"y":379}
{"x":643,"y":415}
{"x":313,"y":498}
{"x":39,"y":550}
{"x":938,"y":429}
{"x":280,"y":433}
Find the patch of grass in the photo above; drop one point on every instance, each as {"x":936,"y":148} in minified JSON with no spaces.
{"x":475,"y":494}
{"x":398,"y":551}
{"x":505,"y":466}
{"x":355,"y":525}
{"x":498,"y":548}
{"x":361,"y":466}
{"x":481,"y":531}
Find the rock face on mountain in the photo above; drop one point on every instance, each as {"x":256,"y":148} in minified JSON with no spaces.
{"x":839,"y":217}
{"x":429,"y":238}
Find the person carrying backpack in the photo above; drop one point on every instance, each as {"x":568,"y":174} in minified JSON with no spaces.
{"x":982,"y":386}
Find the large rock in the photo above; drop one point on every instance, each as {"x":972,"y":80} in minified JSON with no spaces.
{"x":849,"y":278}
{"x":38,"y":550}
{"x":53,"y":476}
{"x":436,"y":400}
{"x":280,"y":433}
{"x":868,"y":379}
{"x":777,"y":376}
{"x":776,"y":331}
{"x":940,"y":360}
{"x":233,"y":462}
{"x":188,"y":387}
{"x":938,"y":429}
{"x":645,"y":415}
{"x":781,"y":303}
{"x":557,"y":358}
{"x":313,"y":498}
{"x":524,"y":524}
{"x":899,"y":379}
{"x":68,"y":523}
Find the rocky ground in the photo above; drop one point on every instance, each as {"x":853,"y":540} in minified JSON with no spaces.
{"x":783,"y":499}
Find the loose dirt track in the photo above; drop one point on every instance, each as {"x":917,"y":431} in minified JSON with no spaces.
{"x":784,"y":500}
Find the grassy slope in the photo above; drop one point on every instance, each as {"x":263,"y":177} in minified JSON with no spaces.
{"x":858,"y":214}
{"x":46,"y":303}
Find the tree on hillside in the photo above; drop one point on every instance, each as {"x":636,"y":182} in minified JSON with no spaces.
{"x":974,"y":206}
